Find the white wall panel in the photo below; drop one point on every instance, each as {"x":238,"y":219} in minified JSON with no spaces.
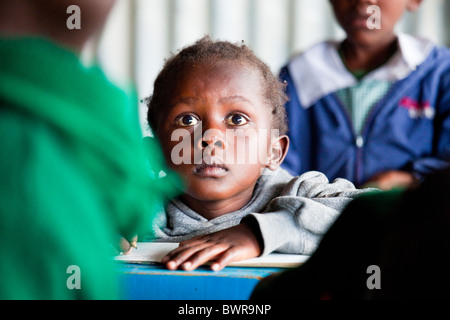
{"x":140,"y":34}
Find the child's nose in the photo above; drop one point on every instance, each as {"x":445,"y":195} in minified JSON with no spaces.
{"x":212,"y":141}
{"x":213,"y":135}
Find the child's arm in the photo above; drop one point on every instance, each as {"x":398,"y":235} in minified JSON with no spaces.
{"x":296,"y":221}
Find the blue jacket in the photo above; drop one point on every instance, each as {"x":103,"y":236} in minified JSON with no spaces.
{"x":409,"y":129}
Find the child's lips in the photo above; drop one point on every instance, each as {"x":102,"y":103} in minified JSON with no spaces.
{"x":359,"y":20}
{"x":213,"y":170}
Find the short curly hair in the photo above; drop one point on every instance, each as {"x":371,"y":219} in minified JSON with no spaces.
{"x":208,"y":52}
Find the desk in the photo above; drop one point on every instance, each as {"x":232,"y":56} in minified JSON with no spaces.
{"x":155,"y":282}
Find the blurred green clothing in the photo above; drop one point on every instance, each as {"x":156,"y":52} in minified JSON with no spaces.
{"x":72,"y":171}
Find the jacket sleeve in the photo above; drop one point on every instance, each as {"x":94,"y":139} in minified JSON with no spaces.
{"x":440,"y":158}
{"x":293,"y":161}
{"x":296,"y":221}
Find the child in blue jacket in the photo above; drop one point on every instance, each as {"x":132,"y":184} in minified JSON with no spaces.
{"x":375,"y":108}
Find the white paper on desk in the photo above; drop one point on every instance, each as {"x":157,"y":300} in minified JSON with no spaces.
{"x":153,"y":252}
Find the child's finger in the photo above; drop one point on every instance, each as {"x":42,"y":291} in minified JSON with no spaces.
{"x":172,"y":254}
{"x":194,"y":243}
{"x":180,"y":255}
{"x":124,"y":246}
{"x":204,"y":255}
{"x":224,"y":259}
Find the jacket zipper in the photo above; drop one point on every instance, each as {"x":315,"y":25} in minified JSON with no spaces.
{"x":358,"y":140}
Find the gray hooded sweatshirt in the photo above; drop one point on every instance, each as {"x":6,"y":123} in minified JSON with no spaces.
{"x":293,"y":213}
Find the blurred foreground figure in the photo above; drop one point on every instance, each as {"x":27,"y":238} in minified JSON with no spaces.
{"x":404,"y":234}
{"x":72,"y":166}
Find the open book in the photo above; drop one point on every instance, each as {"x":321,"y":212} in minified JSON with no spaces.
{"x":153,"y":252}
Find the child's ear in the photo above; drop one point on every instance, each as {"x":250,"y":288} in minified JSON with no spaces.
{"x":413,"y":5}
{"x":278,"y":151}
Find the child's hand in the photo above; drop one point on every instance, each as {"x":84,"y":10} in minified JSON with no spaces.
{"x":233,"y":244}
{"x":391,"y":179}
{"x":126,"y":245}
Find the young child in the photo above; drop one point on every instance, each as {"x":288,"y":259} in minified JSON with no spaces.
{"x":375,"y":108}
{"x":208,"y":97}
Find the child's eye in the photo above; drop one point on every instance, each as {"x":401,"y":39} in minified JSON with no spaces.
{"x":187,"y":120}
{"x":237,"y":120}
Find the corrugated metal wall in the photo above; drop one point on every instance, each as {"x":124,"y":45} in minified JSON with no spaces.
{"x":140,"y":34}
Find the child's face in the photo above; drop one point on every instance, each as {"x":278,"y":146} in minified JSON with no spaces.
{"x":353,"y":17}
{"x":211,"y":106}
